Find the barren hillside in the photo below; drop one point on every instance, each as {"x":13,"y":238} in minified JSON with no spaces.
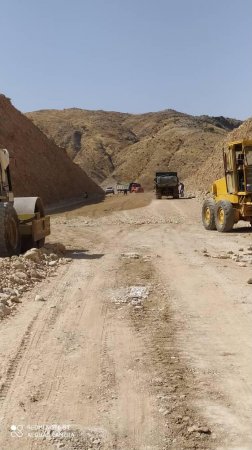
{"x":213,"y":168}
{"x":127,"y":146}
{"x":38,"y":165}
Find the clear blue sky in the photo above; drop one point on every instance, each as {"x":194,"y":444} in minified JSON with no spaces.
{"x":136,"y":56}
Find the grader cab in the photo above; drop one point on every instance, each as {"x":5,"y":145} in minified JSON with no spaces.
{"x":231,"y":195}
{"x":23,"y":223}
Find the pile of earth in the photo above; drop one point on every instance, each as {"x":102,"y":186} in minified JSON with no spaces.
{"x":19,"y":274}
{"x":125,"y":147}
{"x":38,"y":166}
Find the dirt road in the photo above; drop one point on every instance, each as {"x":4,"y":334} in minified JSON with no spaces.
{"x":143,"y":342}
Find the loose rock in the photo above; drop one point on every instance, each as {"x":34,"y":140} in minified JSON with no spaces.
{"x":39,"y":298}
{"x":198,"y":429}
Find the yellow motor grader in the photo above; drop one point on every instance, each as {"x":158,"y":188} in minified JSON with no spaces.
{"x":23,"y":223}
{"x":231,"y":195}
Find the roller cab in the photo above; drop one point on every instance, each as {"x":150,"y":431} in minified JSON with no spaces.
{"x":23,"y":223}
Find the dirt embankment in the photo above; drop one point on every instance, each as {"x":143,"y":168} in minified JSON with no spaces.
{"x":38,"y":166}
{"x":128,"y":146}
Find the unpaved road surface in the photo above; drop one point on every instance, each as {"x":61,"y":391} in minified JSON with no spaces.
{"x":144,"y":340}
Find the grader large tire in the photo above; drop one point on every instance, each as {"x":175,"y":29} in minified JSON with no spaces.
{"x":9,"y":231}
{"x":224,"y":216}
{"x":208,"y":218}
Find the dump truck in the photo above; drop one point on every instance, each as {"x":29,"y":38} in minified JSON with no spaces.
{"x":23,"y":223}
{"x":231,"y":199}
{"x":121,"y":187}
{"x":166,"y":184}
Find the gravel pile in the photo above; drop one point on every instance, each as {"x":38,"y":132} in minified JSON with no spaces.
{"x":134,"y":295}
{"x":19,"y":274}
{"x":116,"y":219}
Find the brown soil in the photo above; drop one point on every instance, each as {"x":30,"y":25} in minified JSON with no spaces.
{"x":38,"y":166}
{"x":142,"y":342}
{"x":112,"y":203}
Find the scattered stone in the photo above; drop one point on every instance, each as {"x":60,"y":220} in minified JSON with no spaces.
{"x":16,"y":300}
{"x":249,"y":281}
{"x":19,"y":274}
{"x":4,"y":297}
{"x":241,"y":249}
{"x":136,"y":302}
{"x":4,"y":310}
{"x":242,"y":264}
{"x":186,"y":419}
{"x":158,"y":381}
{"x":52,"y":263}
{"x":198,"y":429}
{"x":39,"y":298}
{"x":130,"y":255}
{"x":139,"y":292}
{"x":18,"y":265}
{"x":34,"y":254}
{"x":10,"y":291}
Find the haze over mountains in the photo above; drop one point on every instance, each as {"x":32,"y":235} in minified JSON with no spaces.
{"x":121,"y":146}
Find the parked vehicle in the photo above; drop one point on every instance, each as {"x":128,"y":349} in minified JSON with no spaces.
{"x":122,"y":187}
{"x":136,"y":187}
{"x":109,"y":190}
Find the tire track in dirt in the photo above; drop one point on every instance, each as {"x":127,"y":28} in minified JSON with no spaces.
{"x":15,"y":361}
{"x":170,"y":380}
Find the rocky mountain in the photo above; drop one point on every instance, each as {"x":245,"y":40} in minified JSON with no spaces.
{"x":128,"y":146}
{"x":38,"y":166}
{"x":213,"y":167}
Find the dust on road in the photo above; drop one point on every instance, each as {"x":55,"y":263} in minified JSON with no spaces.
{"x":143,"y":341}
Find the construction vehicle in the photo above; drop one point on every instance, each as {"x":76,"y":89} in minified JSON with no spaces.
{"x":166,"y":183}
{"x":136,"y":188}
{"x":231,"y":195}
{"x":122,"y":187}
{"x":23,"y":223}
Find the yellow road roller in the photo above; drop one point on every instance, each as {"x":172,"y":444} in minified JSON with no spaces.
{"x":231,"y":195}
{"x":23,"y":223}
